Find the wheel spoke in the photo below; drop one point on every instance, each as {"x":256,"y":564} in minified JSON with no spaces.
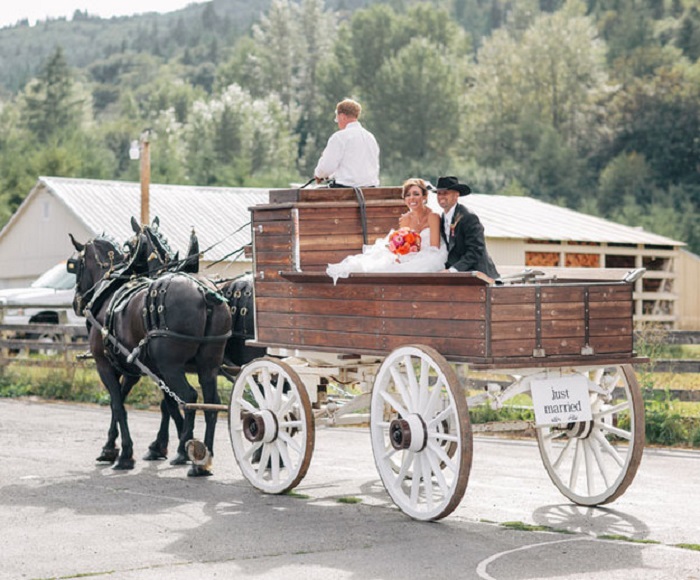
{"x":595,"y":447}
{"x":565,"y":449}
{"x":614,"y":410}
{"x":615,"y":430}
{"x":412,"y":383}
{"x":577,"y":463}
{"x":254,"y":388}
{"x":395,"y":404}
{"x":400,"y":385}
{"x":429,"y":409}
{"x":605,"y":444}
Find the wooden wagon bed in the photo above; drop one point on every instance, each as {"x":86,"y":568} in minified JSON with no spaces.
{"x":464,"y":316}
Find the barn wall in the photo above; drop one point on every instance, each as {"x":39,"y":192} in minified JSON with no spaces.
{"x":36,"y":239}
{"x":688,"y":275}
{"x":506,"y":252}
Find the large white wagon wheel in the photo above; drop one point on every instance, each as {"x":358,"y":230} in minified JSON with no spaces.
{"x":593,"y":462}
{"x":421,"y":435}
{"x":271,"y":425}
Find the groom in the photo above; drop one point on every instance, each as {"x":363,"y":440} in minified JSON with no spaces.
{"x":462,"y":231}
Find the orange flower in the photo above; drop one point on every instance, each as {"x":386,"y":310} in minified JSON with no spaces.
{"x":404,"y":241}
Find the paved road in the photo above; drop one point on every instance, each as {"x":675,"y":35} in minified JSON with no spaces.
{"x":63,"y":516}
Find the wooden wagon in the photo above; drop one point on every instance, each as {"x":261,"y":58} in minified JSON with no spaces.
{"x":411,"y":345}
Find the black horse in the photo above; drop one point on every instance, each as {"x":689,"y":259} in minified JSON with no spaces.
{"x":152,"y":255}
{"x":165,"y":322}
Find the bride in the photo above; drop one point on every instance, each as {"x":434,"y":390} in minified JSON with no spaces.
{"x":420,"y":218}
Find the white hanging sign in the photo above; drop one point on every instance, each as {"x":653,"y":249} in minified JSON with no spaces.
{"x":561,"y":400}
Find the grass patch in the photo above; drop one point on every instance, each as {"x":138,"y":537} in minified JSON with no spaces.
{"x":523,"y":527}
{"x":695,"y":547}
{"x":292,"y":493}
{"x":349,"y":499}
{"x":621,"y":538}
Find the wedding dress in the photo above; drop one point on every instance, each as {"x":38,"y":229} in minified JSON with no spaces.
{"x":378,"y":258}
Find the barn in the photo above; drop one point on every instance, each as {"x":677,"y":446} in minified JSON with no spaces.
{"x":521,"y":232}
{"x":36,"y":236}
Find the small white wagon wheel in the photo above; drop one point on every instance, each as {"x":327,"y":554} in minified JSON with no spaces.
{"x":421,"y":435}
{"x":271,"y":425}
{"x":594,"y":462}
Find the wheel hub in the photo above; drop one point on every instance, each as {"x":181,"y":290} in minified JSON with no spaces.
{"x":260,"y":426}
{"x":579,"y":430}
{"x":409,"y":433}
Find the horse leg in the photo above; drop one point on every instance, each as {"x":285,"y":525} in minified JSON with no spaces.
{"x":158,"y":449}
{"x":110,"y":451}
{"x":117,"y":389}
{"x":177,"y":381}
{"x":210,"y":393}
{"x":173,"y":410}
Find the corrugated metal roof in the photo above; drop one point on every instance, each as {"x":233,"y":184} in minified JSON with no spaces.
{"x":215,"y":212}
{"x":528,"y":218}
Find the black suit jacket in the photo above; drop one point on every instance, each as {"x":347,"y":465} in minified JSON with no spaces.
{"x":466,"y":248}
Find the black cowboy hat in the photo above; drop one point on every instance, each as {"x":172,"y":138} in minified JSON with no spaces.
{"x":453,"y":183}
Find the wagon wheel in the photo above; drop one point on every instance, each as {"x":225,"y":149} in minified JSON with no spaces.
{"x":271,"y":425}
{"x":593,"y":462}
{"x":419,"y":422}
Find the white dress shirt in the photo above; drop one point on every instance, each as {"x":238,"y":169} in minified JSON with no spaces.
{"x":351,"y":157}
{"x":448,"y":220}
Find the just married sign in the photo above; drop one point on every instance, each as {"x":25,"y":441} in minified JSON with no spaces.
{"x":561,"y":400}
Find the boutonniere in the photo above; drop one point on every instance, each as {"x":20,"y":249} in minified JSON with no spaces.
{"x":454,"y":225}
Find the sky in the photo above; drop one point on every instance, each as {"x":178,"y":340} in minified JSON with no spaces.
{"x":13,"y":10}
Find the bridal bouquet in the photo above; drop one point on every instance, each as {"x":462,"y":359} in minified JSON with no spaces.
{"x":403,"y":241}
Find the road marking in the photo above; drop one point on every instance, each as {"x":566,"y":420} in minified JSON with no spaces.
{"x":481,"y":567}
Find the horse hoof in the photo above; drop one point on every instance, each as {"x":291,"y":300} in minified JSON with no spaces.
{"x":123,"y":465}
{"x":155,"y":454}
{"x":180,"y":459}
{"x":198,"y":471}
{"x":108,"y":456}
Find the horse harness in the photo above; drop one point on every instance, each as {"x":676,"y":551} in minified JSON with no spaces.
{"x":133,"y":363}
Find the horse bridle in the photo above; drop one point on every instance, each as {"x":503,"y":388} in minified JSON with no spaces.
{"x":77,"y":266}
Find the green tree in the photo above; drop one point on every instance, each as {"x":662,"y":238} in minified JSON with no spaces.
{"x":50,"y":103}
{"x":416,"y":107}
{"x":659,"y":118}
{"x":535,"y":103}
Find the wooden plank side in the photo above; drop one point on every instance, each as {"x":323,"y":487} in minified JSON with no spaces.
{"x":273,"y":228}
{"x":470,"y":329}
{"x":363,"y":342}
{"x":612,"y":344}
{"x":611,"y":326}
{"x":611,"y":309}
{"x":262,"y":215}
{"x":281,"y":259}
{"x":366,"y":291}
{"x":512,"y":295}
{"x":320,"y":195}
{"x":513,"y":312}
{"x":549,"y":329}
{"x":271,"y":243}
{"x":611,"y":292}
{"x":374,"y":308}
{"x":377,"y":227}
{"x":563,"y":310}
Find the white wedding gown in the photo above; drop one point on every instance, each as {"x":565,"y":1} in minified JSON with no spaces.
{"x":378,"y":258}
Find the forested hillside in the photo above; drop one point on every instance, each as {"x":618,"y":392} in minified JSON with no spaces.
{"x":592,"y":104}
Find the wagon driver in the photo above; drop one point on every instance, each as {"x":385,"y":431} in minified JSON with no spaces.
{"x":351,"y":156}
{"x":462,"y":231}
